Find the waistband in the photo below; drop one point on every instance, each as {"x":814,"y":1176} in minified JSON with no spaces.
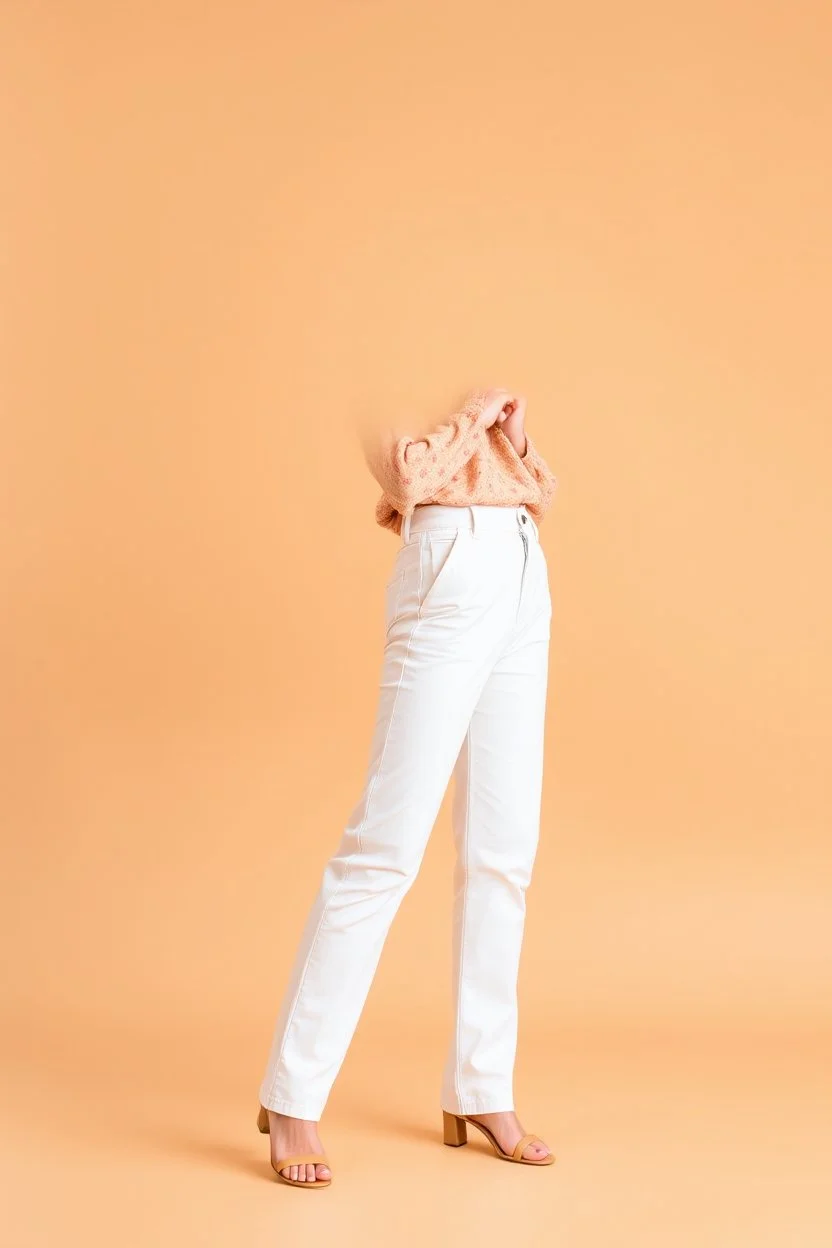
{"x":481,"y":518}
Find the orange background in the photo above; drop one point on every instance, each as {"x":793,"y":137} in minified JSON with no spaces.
{"x":230,"y":233}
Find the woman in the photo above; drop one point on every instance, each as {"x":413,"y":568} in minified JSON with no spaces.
{"x":463,"y":691}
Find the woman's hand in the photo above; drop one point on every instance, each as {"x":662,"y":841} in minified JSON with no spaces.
{"x":497,"y":403}
{"x":512,"y":420}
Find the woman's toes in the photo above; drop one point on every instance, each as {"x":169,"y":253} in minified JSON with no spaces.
{"x":307,"y":1172}
{"x":537,"y":1152}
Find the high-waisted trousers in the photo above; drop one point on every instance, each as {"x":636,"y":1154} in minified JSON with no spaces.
{"x":462,"y":692}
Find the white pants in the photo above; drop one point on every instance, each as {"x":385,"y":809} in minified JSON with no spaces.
{"x":463,"y":691}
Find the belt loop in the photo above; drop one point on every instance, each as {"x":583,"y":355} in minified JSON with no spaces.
{"x":406,"y":526}
{"x":473,"y":512}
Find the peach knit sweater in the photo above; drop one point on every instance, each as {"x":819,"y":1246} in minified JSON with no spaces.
{"x":458,"y":463}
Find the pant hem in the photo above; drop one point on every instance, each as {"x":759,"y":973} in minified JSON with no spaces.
{"x":293,"y":1109}
{"x":479,"y":1105}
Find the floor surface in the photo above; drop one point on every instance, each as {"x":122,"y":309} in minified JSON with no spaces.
{"x":117,"y":1132}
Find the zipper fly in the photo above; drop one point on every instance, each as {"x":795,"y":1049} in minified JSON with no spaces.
{"x":525,"y":541}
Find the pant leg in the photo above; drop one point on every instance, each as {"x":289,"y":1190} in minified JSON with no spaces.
{"x":496,"y":818}
{"x":435,"y":662}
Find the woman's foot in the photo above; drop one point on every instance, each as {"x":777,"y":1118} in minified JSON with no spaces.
{"x":296,"y":1135}
{"x":507,"y":1131}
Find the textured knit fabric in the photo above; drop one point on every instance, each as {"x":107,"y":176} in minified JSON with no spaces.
{"x":457,"y":464}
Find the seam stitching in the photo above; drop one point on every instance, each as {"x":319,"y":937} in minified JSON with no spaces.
{"x":465,"y":842}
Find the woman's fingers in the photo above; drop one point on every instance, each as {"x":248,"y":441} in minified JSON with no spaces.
{"x":497,"y":400}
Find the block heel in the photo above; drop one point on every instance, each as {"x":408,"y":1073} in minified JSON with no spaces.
{"x":454,"y":1129}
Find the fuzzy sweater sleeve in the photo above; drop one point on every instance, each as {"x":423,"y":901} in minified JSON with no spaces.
{"x":540,"y":471}
{"x":412,"y":469}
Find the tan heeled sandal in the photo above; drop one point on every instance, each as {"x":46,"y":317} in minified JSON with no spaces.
{"x":456,"y":1133}
{"x":300,"y":1159}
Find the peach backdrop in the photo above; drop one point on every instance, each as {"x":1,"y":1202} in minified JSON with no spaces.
{"x":232,"y":232}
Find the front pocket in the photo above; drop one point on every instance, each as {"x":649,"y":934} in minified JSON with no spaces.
{"x":443,"y":565}
{"x":392,"y":599}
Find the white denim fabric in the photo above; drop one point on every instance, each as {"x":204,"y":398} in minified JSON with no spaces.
{"x":462,"y":693}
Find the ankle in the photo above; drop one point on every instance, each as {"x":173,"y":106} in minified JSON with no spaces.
{"x":291,"y":1120}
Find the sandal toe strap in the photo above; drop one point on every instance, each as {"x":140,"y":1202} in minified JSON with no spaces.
{"x":523,"y":1144}
{"x":301,"y":1159}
